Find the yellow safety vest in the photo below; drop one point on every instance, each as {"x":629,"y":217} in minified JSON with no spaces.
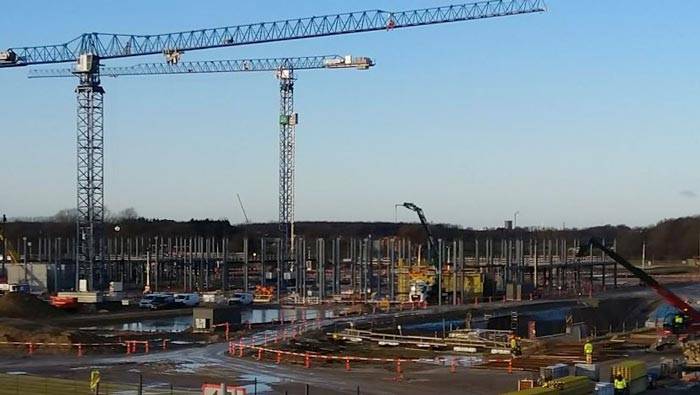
{"x":679,"y":319}
{"x":588,"y":348}
{"x":620,"y":384}
{"x":513,"y":343}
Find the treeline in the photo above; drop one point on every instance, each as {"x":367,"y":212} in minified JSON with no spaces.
{"x":671,"y":239}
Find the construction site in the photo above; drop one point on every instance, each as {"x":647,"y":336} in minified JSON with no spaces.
{"x":93,"y":303}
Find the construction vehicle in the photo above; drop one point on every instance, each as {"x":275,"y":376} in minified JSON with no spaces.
{"x":64,"y":302}
{"x":14,"y":288}
{"x":263,"y":294}
{"x":423,"y":279}
{"x":684,"y":332}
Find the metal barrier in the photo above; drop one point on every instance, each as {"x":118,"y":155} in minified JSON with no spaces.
{"x":23,"y":384}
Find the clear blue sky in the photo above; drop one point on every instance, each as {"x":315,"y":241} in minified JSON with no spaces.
{"x":587,"y":114}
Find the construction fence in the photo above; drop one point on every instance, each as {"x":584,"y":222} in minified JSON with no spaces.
{"x":23,"y":384}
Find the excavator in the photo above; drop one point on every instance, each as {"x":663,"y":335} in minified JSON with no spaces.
{"x":423,"y":281}
{"x":683,"y":327}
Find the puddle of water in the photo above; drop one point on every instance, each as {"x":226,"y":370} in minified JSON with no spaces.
{"x":190,"y":367}
{"x":459,"y":360}
{"x":183,"y":323}
{"x":263,"y":383}
{"x":173,"y":324}
{"x":263,"y":316}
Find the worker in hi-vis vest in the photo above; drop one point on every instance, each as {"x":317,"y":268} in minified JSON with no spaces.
{"x":588,"y":351}
{"x":620,"y":385}
{"x":678,"y":322}
{"x":515,"y":346}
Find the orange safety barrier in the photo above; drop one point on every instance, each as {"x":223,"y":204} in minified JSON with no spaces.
{"x":260,"y":354}
{"x":399,"y":372}
{"x":307,"y":361}
{"x":227,"y":328}
{"x":80,"y":350}
{"x":453,"y":366}
{"x":131,"y":346}
{"x":510,"y":365}
{"x":165,"y":344}
{"x":347,"y":364}
{"x":278,"y":358}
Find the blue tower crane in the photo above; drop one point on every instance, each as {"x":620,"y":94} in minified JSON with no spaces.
{"x":89,"y":49}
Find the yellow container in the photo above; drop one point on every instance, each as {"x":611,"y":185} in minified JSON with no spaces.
{"x":571,"y":385}
{"x":469,"y":284}
{"x":534,"y":391}
{"x":630,"y":370}
{"x":474,"y":284}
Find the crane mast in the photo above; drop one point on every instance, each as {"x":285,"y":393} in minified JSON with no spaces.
{"x":90,"y":173}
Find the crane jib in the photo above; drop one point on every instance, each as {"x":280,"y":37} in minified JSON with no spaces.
{"x":109,"y":46}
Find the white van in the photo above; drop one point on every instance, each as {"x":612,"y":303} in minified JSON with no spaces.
{"x":241,"y":298}
{"x":188,"y":300}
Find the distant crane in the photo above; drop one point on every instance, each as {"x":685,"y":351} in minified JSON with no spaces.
{"x":434,"y":256}
{"x":288,"y":119}
{"x":432,"y":245}
{"x":240,"y":202}
{"x":89,"y":49}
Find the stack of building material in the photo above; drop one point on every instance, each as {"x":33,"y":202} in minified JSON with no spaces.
{"x":590,"y":370}
{"x":572,"y":385}
{"x":535,"y":391}
{"x":691,"y":352}
{"x":554,"y":371}
{"x":634,"y":372}
{"x":604,"y":389}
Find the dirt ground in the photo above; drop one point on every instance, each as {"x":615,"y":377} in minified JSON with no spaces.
{"x":190,"y":366}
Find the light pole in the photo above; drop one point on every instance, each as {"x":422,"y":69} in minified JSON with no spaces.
{"x":117,"y":228}
{"x":3,"y":225}
{"x":29,"y":283}
{"x":24,"y":245}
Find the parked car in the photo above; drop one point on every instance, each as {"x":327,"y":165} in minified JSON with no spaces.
{"x":189,"y":300}
{"x":162,"y":302}
{"x":241,"y":298}
{"x":145,"y":302}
